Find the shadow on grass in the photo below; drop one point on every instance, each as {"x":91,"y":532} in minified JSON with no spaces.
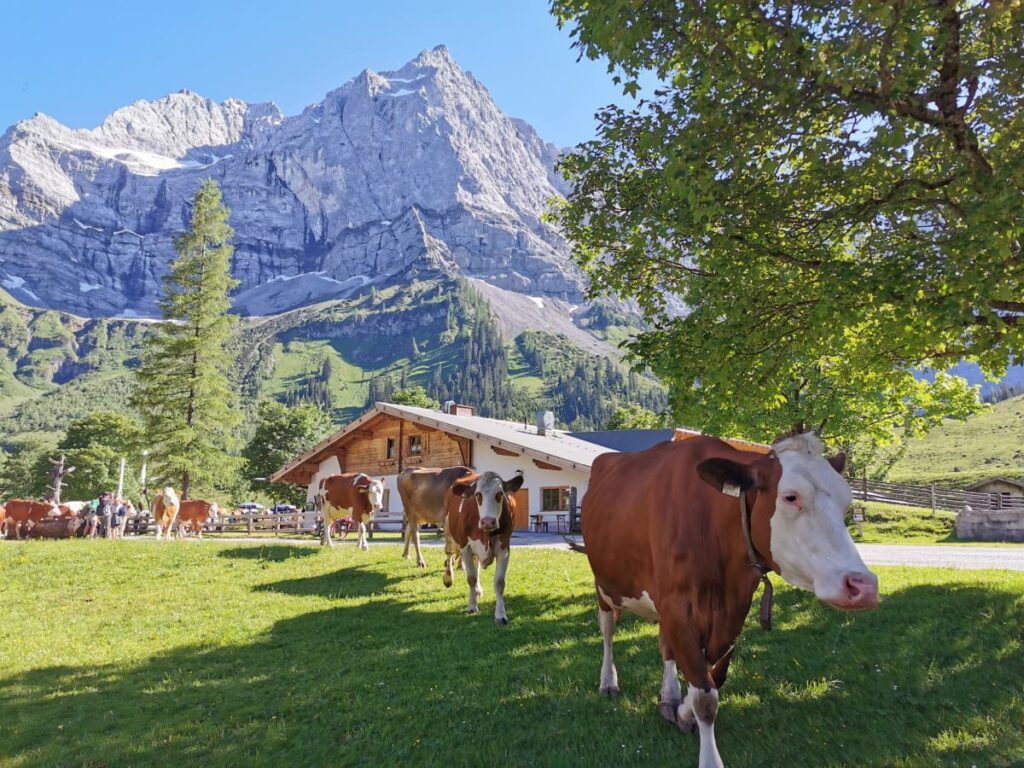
{"x":274,"y":553}
{"x":387,"y":682}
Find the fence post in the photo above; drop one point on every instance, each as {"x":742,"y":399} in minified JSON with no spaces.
{"x":932,"y":488}
{"x":248,"y":526}
{"x":864,"y":485}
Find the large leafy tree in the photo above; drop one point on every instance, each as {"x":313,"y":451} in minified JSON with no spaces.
{"x":185,"y":390}
{"x":833,"y":190}
{"x":95,"y":445}
{"x":281,"y":434}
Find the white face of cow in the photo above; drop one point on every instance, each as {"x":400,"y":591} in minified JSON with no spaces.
{"x":491,"y":494}
{"x":375,"y":495}
{"x":809,"y":539}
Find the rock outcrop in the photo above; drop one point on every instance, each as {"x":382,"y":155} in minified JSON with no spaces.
{"x":416,"y":167}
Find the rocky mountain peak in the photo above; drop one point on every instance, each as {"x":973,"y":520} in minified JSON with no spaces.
{"x":412,"y":166}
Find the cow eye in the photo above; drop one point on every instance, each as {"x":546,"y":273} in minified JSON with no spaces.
{"x":497,"y":497}
{"x":790,"y":498}
{"x":479,"y":498}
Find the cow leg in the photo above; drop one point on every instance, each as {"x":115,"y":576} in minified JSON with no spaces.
{"x":606,"y":620}
{"x":363,"y":543}
{"x":420,"y":562}
{"x":671,"y":695}
{"x":684,"y":642}
{"x":500,"y":568}
{"x":447,"y":578}
{"x":472,"y":578}
{"x":328,"y":524}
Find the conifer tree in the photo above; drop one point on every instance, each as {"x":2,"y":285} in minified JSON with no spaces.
{"x":184,"y":390}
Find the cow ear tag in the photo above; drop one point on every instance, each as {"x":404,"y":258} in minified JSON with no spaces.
{"x":731,"y":490}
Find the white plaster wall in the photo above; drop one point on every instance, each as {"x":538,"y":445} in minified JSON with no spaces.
{"x":484,"y":459}
{"x":535,"y":478}
{"x":329,"y":466}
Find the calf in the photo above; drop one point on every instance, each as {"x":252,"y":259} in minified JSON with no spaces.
{"x":682,"y":533}
{"x":165,"y":511}
{"x":349,"y":495}
{"x":479,"y":524}
{"x":194,"y":514}
{"x":424,"y":494}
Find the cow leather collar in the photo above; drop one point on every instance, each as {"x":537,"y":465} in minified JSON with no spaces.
{"x":767,"y":595}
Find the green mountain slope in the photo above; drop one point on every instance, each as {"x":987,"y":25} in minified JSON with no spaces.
{"x":345,"y":354}
{"x":963,"y":452}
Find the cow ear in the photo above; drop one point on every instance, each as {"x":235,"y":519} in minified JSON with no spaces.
{"x":465,"y":490}
{"x":513,"y":485}
{"x":838,"y":462}
{"x":725,"y":475}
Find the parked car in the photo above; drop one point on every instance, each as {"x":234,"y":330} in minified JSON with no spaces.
{"x":283,"y":509}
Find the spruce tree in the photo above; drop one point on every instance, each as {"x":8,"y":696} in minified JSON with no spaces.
{"x":184,"y":390}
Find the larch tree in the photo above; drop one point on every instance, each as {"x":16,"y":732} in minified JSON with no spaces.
{"x":185,"y":391}
{"x":814,"y":203}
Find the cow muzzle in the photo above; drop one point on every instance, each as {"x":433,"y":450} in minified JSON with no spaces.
{"x":859,"y":592}
{"x":489,"y":524}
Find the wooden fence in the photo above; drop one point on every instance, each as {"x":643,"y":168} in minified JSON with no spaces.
{"x":931,"y":497}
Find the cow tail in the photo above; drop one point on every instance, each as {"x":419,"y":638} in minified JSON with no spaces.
{"x":575,"y":545}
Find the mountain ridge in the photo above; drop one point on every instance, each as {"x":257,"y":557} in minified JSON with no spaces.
{"x":414,"y":166}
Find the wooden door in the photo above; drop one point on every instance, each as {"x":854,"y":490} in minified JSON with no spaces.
{"x":522,"y":500}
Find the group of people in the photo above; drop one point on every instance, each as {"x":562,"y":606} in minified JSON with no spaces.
{"x":107,"y":516}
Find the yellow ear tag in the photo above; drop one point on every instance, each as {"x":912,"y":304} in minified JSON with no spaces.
{"x":730,"y":490}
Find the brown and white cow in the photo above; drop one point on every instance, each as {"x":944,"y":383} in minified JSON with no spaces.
{"x":22,"y":514}
{"x":165,"y":511}
{"x":479,"y":524}
{"x":424,"y":494}
{"x":664,"y":532}
{"x":352,"y":495}
{"x":193,"y":514}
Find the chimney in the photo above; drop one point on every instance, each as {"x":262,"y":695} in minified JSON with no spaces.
{"x":545,"y":422}
{"x":455,"y":409}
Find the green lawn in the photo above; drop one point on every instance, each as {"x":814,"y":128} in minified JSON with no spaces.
{"x":897,"y":524}
{"x":959,"y":453}
{"x":148,"y":654}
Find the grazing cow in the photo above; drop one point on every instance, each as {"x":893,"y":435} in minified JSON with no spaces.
{"x":3,"y":521}
{"x":479,"y":523}
{"x":194,"y":514}
{"x":22,"y":514}
{"x":424,"y":494}
{"x":165,"y":511}
{"x":350,"y":495}
{"x":682,"y":532}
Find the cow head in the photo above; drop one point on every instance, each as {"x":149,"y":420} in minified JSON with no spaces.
{"x":806,"y":500}
{"x":373,"y":490}
{"x":491,"y":494}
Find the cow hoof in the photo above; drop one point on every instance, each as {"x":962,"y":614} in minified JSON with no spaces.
{"x":421,"y":564}
{"x":501,"y":622}
{"x":687,"y":724}
{"x":610,"y":690}
{"x":472,"y":611}
{"x":447,"y":580}
{"x":668,"y":710}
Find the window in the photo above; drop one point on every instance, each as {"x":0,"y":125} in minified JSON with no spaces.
{"x":554,"y":499}
{"x":391,"y":448}
{"x":415,"y":446}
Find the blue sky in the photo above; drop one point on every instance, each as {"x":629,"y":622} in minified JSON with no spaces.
{"x":78,"y":60}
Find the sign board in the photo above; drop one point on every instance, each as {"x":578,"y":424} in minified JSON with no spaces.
{"x":858,"y":514}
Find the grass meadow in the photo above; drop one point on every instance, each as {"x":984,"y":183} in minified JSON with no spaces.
{"x":217,"y":654}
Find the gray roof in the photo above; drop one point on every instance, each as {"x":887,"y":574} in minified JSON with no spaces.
{"x":1008,"y":480}
{"x":557,"y":447}
{"x":626,"y":439}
